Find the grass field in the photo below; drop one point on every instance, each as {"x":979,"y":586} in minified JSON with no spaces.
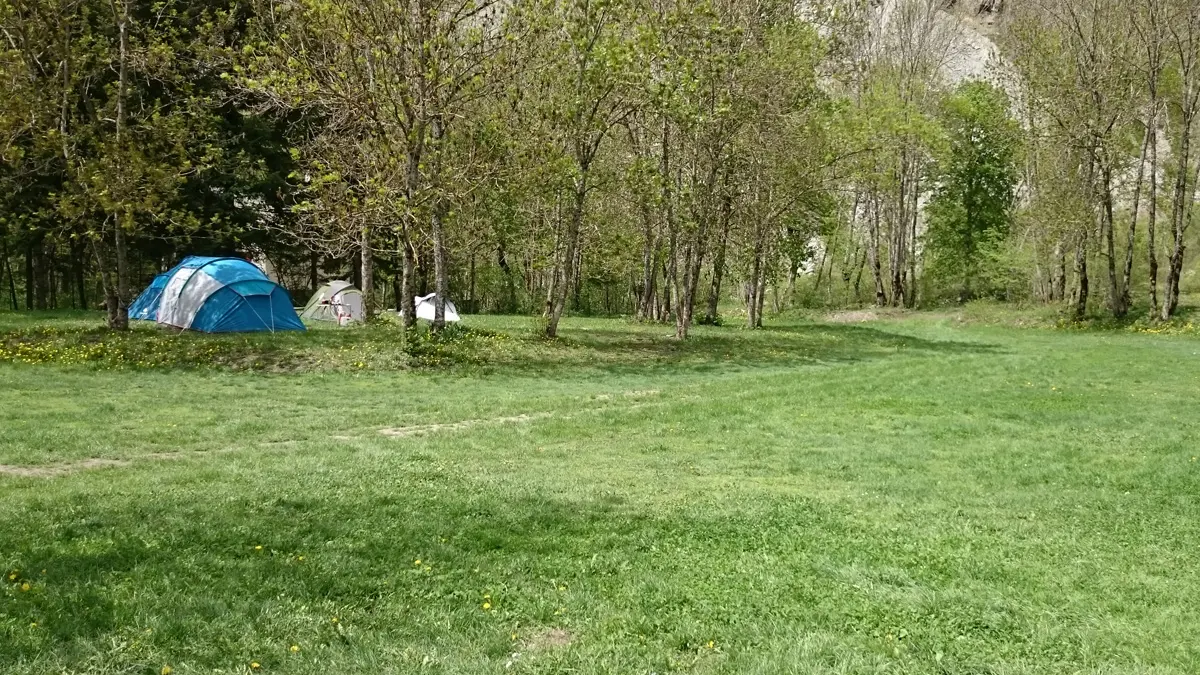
{"x":907,"y":495}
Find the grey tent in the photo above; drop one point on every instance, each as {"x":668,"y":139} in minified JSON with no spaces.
{"x":426,"y":310}
{"x":336,"y":301}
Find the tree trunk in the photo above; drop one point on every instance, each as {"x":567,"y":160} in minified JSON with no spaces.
{"x":1058,"y":285}
{"x":405,"y":304}
{"x":752,"y":304}
{"x":30,"y":279}
{"x":510,"y":286}
{"x":1130,"y":237}
{"x":471,"y":286}
{"x":577,"y":276}
{"x":1107,"y":226}
{"x":12,"y":284}
{"x":914,"y":215}
{"x":117,"y":291}
{"x":441,"y":273}
{"x":121,"y":321}
{"x":1180,"y":205}
{"x":1081,"y":296}
{"x":314,"y":281}
{"x":78,"y":262}
{"x":873,"y":253}
{"x":51,"y":279}
{"x":107,"y":282}
{"x":397,"y":292}
{"x":899,"y":231}
{"x":367,"y":259}
{"x":718,"y":270}
{"x":1152,"y":210}
{"x":649,"y":265}
{"x":761,"y":292}
{"x":562,"y":281}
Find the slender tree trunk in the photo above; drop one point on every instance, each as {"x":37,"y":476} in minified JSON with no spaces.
{"x":1152,"y":210}
{"x":860,"y":264}
{"x":1180,"y":206}
{"x":117,"y":290}
{"x":718,"y":271}
{"x":899,"y":232}
{"x":752,"y":300}
{"x":367,"y":258}
{"x":1081,"y":296}
{"x":314,"y":281}
{"x":562,"y":281}
{"x":108,"y":283}
{"x":51,"y":279}
{"x":121,"y":320}
{"x":577,"y":276}
{"x":471,"y":308}
{"x":873,"y":253}
{"x":355,"y":265}
{"x":12,"y":284}
{"x":1107,"y":224}
{"x":761,"y":292}
{"x":30,"y":277}
{"x":649,"y":265}
{"x":406,"y":306}
{"x":1127,"y":271}
{"x":829,"y":247}
{"x":510,"y":285}
{"x":914,"y":213}
{"x":397,"y":291}
{"x":1058,"y":292}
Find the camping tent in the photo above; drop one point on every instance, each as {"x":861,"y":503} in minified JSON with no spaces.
{"x":218,"y":295}
{"x":145,"y":307}
{"x":333,"y":300}
{"x":425,"y":309}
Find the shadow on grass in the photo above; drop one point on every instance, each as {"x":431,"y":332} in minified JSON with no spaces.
{"x":637,"y":349}
{"x":205,"y":562}
{"x":482,"y":345}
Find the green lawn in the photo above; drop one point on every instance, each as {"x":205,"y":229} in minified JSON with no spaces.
{"x":911,"y":495}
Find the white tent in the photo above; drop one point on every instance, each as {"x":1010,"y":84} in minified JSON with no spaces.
{"x":335,"y":301}
{"x":425,"y":308}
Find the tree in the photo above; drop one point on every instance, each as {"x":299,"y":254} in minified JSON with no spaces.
{"x":971,"y":209}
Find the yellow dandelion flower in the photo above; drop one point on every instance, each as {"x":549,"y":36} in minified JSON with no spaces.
{"x":487,"y":605}
{"x":295,"y":648}
{"x":258,"y":548}
{"x":166,"y":670}
{"x":33,"y":624}
{"x":333,"y":620}
{"x":254,"y":665}
{"x":13,"y":576}
{"x":711,"y":644}
{"x":25,"y":586}
{"x":417,"y":562}
{"x":301,"y":558}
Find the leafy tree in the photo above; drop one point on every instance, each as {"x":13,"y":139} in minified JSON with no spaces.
{"x":972,"y":206}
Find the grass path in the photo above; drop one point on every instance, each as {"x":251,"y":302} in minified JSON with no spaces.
{"x":906,"y":496}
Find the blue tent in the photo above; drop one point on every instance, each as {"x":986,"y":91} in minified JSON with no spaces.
{"x":217,"y":295}
{"x":145,"y":307}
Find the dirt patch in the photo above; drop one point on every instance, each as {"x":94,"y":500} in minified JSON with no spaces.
{"x":422,"y":429}
{"x":853,"y":316}
{"x":60,"y":469}
{"x":553,"y":638}
{"x":54,"y":470}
